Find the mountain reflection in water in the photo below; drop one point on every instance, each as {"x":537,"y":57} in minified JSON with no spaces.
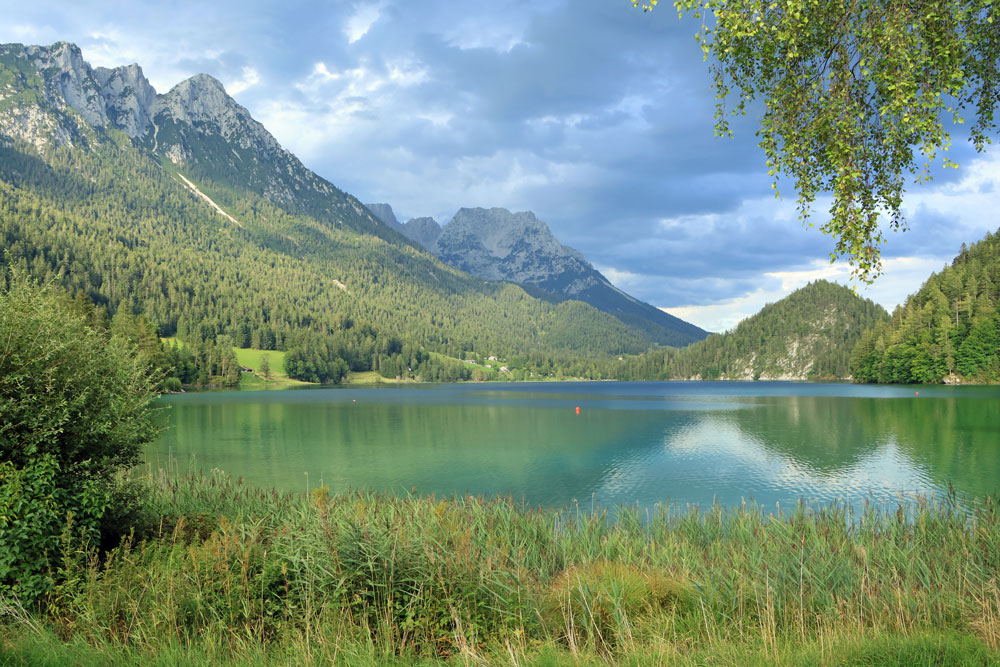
{"x":632,"y":443}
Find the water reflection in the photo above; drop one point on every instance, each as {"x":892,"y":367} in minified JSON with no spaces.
{"x":692,"y":443}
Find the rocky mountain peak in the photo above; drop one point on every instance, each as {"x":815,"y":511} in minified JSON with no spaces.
{"x":500,"y":231}
{"x":496,"y":244}
{"x":424,"y":231}
{"x":384,"y":213}
{"x":69,"y":80}
{"x":128,"y":97}
{"x":200,"y":99}
{"x":121,"y":97}
{"x":198,"y":109}
{"x":65,"y":56}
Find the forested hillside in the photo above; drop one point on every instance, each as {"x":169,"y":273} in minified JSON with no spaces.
{"x":198,"y":221}
{"x":949,"y":331}
{"x":807,"y":335}
{"x":263,"y":278}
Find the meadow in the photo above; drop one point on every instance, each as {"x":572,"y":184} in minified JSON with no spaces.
{"x":217,"y":572}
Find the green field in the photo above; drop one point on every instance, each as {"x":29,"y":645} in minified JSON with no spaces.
{"x":370,"y":377}
{"x":251,"y":358}
{"x":277,"y":379}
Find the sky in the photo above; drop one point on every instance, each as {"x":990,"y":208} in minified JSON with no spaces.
{"x":590,"y":113}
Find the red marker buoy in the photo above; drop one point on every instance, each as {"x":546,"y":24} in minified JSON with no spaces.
{"x":578,"y":409}
{"x":916,"y":393}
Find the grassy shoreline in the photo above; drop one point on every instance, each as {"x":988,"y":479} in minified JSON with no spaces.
{"x":219,"y":572}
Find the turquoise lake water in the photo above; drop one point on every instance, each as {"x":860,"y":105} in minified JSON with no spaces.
{"x":632,"y":442}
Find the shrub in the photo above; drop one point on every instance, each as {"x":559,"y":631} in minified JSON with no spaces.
{"x":599,"y":601}
{"x":74,"y":411}
{"x":172,"y":385}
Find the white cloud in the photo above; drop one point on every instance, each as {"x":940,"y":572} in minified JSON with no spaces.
{"x":27,"y":33}
{"x":112,"y":47}
{"x":497,"y":36}
{"x":623,"y":280}
{"x":903,"y":276}
{"x":249,"y":79}
{"x":326,"y":86}
{"x":725,"y":315}
{"x":969,"y":204}
{"x":505,"y":178}
{"x":360,"y":22}
{"x":792,"y":280}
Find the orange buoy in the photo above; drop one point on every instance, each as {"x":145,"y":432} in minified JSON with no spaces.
{"x":916,"y":393}
{"x":578,"y":409}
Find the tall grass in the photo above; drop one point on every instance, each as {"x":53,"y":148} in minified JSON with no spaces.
{"x":219,"y":571}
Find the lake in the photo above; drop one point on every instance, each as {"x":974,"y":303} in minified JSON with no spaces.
{"x":632,"y":442}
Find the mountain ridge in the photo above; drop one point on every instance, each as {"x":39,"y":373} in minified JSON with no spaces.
{"x":497,"y":244}
{"x":146,"y":223}
{"x":195,"y":125}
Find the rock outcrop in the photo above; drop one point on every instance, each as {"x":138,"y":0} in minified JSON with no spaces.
{"x":496,"y":244}
{"x":50,"y":96}
{"x":128,"y":98}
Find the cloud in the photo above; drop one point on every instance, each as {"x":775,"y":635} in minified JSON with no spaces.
{"x":360,"y":22}
{"x":597,"y":117}
{"x":249,"y":79}
{"x":30,"y":34}
{"x":902,"y":277}
{"x":725,"y":314}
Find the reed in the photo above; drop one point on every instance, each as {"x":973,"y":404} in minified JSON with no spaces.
{"x":220,"y":572}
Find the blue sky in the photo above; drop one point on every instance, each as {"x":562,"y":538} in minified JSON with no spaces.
{"x":595,"y":116}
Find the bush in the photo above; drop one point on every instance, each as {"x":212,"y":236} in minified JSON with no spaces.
{"x":595,"y":602}
{"x":172,"y":385}
{"x":74,"y":412}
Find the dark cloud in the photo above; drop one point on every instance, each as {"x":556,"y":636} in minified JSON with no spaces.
{"x":596,"y":116}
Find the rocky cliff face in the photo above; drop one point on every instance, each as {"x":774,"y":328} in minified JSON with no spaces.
{"x":424,"y":231}
{"x":386,"y":215}
{"x":40,"y":90}
{"x":50,"y":96}
{"x":499,"y":245}
{"x":121,"y":98}
{"x":200,"y":105}
{"x":69,"y":80}
{"x":496,"y":244}
{"x":128,"y":98}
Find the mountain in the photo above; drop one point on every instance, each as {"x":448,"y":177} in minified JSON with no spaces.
{"x":807,"y":335}
{"x":948,"y":331}
{"x":424,"y":231}
{"x":496,"y":244}
{"x":196,"y":126}
{"x":183,"y":208}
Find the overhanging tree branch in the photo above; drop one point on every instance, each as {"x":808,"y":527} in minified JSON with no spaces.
{"x":851,"y":92}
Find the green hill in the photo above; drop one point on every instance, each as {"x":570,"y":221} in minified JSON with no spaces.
{"x":807,"y":335}
{"x":949,"y":331}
